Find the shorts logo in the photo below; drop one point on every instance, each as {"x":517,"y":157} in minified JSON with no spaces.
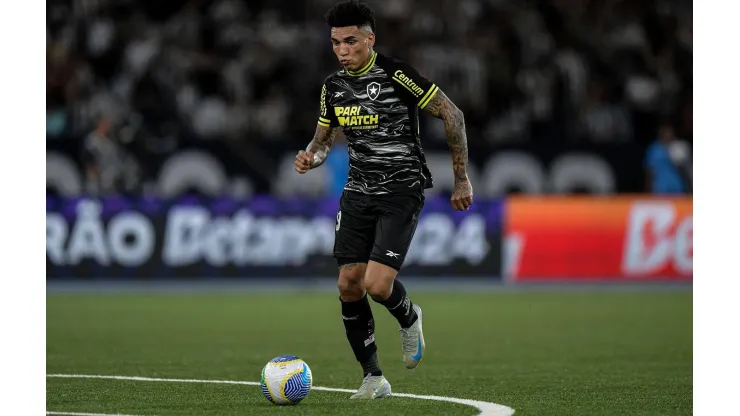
{"x":373,"y":90}
{"x":391,"y":254}
{"x":339,"y":220}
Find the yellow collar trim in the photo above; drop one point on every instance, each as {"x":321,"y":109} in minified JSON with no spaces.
{"x":365,"y":69}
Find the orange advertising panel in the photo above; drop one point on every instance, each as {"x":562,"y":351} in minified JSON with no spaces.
{"x":593,"y":238}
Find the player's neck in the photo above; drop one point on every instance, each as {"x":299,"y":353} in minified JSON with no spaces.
{"x":365,"y":63}
{"x":368,"y":59}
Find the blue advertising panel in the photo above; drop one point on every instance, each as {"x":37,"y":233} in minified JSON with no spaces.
{"x":200,"y":237}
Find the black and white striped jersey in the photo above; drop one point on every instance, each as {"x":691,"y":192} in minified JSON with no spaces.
{"x":377,"y":108}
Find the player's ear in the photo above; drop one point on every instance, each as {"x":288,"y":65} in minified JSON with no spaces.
{"x":371,"y":40}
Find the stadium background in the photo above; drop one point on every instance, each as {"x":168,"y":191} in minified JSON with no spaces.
{"x":172,"y":126}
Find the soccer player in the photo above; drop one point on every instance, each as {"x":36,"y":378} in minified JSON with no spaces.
{"x":375,"y":100}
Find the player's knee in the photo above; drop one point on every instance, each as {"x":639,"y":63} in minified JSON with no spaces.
{"x":379,"y":283}
{"x":350,"y":283}
{"x":350,"y":291}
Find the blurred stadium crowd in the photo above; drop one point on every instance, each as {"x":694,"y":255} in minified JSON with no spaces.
{"x":158,"y":75}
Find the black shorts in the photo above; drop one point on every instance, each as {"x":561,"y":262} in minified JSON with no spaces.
{"x":376,"y":227}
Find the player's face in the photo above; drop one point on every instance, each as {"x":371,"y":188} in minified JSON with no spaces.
{"x":352,"y":46}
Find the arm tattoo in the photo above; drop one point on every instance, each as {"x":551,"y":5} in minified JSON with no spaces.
{"x":349,"y":266}
{"x":441,"y":107}
{"x":322,"y":141}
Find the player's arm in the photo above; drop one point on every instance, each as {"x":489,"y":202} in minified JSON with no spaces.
{"x":442,"y":107}
{"x":316,"y":151}
{"x":326,"y":130}
{"x":417,"y":90}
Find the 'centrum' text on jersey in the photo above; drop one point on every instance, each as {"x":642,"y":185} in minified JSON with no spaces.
{"x":378,"y":109}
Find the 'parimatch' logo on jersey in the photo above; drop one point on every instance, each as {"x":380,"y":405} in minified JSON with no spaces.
{"x":373,"y":90}
{"x":350,"y":116}
{"x":408,"y":83}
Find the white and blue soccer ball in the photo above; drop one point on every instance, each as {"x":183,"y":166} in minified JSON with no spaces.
{"x":286,"y":380}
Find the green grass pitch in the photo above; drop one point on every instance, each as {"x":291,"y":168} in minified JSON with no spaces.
{"x":545,"y":353}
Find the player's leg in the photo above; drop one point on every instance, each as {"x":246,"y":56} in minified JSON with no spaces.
{"x":354,"y":235}
{"x":357,"y":316}
{"x":394,"y":232}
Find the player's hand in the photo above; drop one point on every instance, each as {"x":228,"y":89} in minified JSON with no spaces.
{"x":303,"y":161}
{"x":462,"y":195}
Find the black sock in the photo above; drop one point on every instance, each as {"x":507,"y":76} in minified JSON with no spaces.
{"x":371,"y":366}
{"x":399,"y":305}
{"x":359,"y":326}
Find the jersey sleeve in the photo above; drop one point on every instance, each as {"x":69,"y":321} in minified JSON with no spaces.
{"x":414,"y":87}
{"x":327,"y":118}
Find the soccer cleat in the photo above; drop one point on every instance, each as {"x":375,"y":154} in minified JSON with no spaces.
{"x":412,"y":339}
{"x":373,"y":387}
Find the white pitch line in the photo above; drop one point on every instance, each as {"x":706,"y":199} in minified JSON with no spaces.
{"x":485,"y":408}
{"x":85,"y":414}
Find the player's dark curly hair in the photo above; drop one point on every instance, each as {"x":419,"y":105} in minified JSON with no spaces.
{"x":350,"y":13}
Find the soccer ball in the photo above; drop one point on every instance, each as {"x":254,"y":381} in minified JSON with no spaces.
{"x":286,"y":380}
